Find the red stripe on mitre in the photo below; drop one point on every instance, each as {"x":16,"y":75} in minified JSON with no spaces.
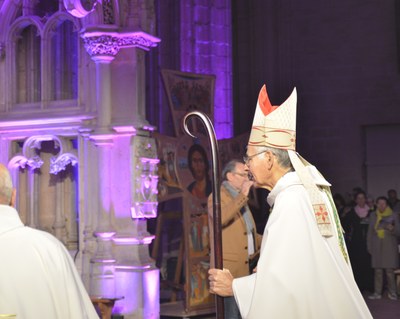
{"x":264,"y":102}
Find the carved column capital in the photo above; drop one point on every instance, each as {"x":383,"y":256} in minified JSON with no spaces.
{"x":138,"y":39}
{"x":105,"y":42}
{"x":101,"y":47}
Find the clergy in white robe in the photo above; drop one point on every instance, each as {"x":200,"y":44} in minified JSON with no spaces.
{"x":303,"y":271}
{"x":38,"y":279}
{"x":300,"y":274}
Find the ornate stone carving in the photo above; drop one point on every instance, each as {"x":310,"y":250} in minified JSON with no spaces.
{"x":22,"y":161}
{"x":101,"y":45}
{"x":31,"y":159}
{"x":145,"y":178}
{"x":59,"y":163}
{"x":138,"y":40}
{"x":28,"y":158}
{"x":108,"y":42}
{"x":80,"y":8}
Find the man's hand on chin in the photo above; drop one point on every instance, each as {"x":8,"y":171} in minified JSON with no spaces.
{"x":220,"y":282}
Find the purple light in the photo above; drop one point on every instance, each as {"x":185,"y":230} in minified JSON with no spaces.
{"x":210,"y":54}
{"x":152,"y":294}
{"x":26,"y":125}
{"x":131,"y":267}
{"x":149,"y":128}
{"x":105,"y":235}
{"x":127,"y":129}
{"x":102,"y":261}
{"x":140,"y":240}
{"x":144,"y":210}
{"x":129,"y":283}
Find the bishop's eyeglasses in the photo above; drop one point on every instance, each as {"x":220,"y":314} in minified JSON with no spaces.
{"x":247,"y":159}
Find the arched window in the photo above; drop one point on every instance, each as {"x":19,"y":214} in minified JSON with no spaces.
{"x":28,"y":66}
{"x":64,"y":62}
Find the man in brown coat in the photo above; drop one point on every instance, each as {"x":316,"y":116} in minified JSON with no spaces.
{"x":240,"y":241}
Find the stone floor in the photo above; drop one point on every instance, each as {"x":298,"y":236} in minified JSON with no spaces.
{"x":380,"y":309}
{"x":384,"y":308}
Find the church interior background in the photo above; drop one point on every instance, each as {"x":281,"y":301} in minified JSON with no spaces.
{"x":88,"y":125}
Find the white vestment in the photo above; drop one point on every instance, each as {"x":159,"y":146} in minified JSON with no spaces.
{"x":300,"y":273}
{"x":38,"y":278}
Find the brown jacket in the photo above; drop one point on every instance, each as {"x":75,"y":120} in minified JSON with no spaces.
{"x":234,"y":234}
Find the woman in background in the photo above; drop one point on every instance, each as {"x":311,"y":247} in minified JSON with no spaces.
{"x":355,"y":224}
{"x":384,"y":228}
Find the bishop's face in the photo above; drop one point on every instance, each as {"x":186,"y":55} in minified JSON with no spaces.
{"x":256,"y":163}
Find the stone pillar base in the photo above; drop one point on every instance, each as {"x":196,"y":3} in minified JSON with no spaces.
{"x":137,"y":306}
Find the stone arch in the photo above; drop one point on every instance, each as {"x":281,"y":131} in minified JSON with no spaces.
{"x":8,"y":14}
{"x":58,"y":18}
{"x":49,"y":69}
{"x":10,"y":51}
{"x":21,"y":23}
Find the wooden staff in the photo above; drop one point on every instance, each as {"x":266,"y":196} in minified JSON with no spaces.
{"x":216,"y":197}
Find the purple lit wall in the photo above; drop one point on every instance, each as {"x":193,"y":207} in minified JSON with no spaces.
{"x":86,"y":83}
{"x":199,"y":43}
{"x":206,"y":48}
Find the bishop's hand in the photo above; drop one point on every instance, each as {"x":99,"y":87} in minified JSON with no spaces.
{"x":220,"y":282}
{"x":246,"y":187}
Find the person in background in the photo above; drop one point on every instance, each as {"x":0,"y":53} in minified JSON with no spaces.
{"x":38,"y":278}
{"x":341,"y":206}
{"x":240,"y":241}
{"x":355,"y":224}
{"x":350,"y":196}
{"x":199,"y":167}
{"x":393,"y":201}
{"x":303,"y":271}
{"x":383,"y":232}
{"x":371,"y":203}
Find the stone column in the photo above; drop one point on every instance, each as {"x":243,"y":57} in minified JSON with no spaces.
{"x":119,"y":238}
{"x":103,"y":262}
{"x":102,"y":49}
{"x":30,"y":162}
{"x":4,"y":148}
{"x":87,"y":169}
{"x":135,"y":271}
{"x":59,"y":225}
{"x":32,"y":197}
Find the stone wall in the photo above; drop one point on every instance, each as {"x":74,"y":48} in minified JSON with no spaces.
{"x":343,"y":59}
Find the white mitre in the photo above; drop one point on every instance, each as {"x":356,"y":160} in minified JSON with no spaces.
{"x":275,"y":126}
